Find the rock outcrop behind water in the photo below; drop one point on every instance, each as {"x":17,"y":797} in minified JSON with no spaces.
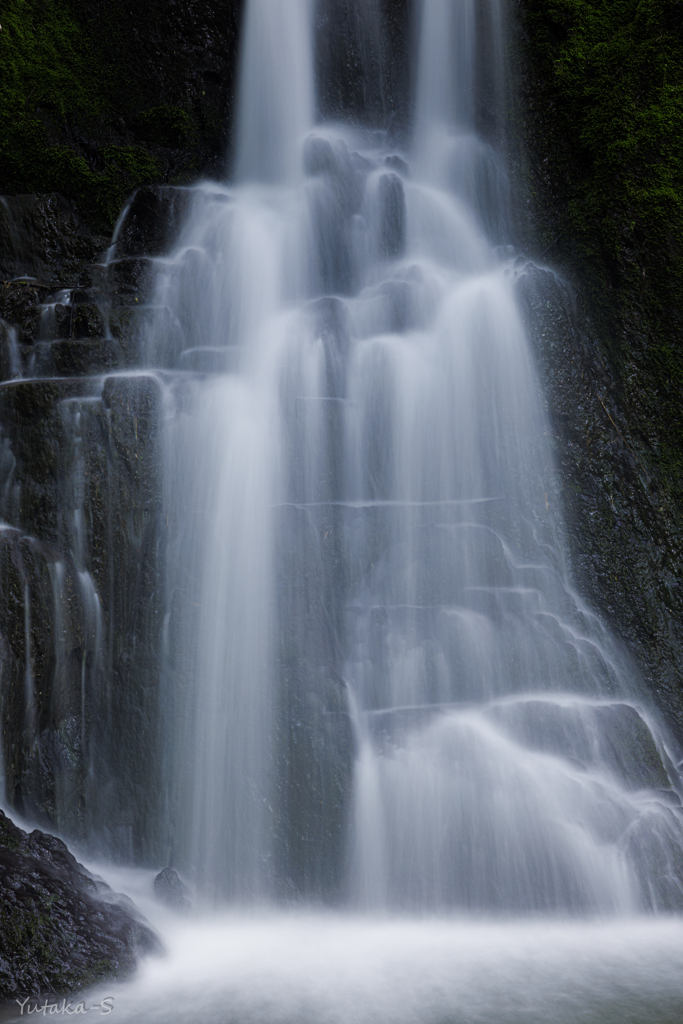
{"x":624,"y":528}
{"x":61,"y":929}
{"x":81,"y":543}
{"x":596,"y":135}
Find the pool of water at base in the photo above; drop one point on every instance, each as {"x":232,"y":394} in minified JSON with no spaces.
{"x":307,"y":967}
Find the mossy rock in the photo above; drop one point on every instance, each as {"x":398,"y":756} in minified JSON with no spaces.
{"x":61,"y":930}
{"x":602,"y":115}
{"x":93,"y":107}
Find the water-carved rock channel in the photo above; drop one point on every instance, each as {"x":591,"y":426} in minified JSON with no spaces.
{"x":286,"y":604}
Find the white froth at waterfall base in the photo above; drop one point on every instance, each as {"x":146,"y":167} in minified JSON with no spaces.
{"x":327,"y":969}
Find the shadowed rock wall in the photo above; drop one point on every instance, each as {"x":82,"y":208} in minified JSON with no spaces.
{"x":83,"y":545}
{"x":597,"y":145}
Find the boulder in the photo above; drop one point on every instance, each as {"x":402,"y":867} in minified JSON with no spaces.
{"x":61,"y":929}
{"x":169,"y":889}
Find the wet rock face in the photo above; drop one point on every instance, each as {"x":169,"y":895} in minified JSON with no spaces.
{"x":61,"y":929}
{"x":363,"y":68}
{"x":82,"y":600}
{"x":607,"y":327}
{"x":81,"y":578}
{"x":42,"y":237}
{"x":624,"y":528}
{"x":149,"y":228}
{"x":43,"y":247}
{"x":71,"y":304}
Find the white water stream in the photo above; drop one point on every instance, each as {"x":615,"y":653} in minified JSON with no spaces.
{"x":382,"y":691}
{"x":358,"y":480}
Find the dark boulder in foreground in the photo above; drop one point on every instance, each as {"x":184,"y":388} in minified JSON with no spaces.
{"x":61,"y":929}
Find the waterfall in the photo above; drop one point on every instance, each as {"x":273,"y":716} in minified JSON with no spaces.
{"x":276,"y":91}
{"x":380,"y":687}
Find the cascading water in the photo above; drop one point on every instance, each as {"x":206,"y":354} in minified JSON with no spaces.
{"x":380,"y":689}
{"x":362,"y":528}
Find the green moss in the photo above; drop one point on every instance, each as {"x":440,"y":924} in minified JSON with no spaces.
{"x":611,"y":122}
{"x":41,"y":944}
{"x":166,"y":126}
{"x":82,"y":110}
{"x":45,"y":59}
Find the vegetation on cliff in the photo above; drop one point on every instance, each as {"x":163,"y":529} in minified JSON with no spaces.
{"x":604,"y":85}
{"x":98,"y":97}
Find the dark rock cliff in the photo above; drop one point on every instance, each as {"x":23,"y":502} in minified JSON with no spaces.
{"x":598,"y":153}
{"x":82,"y":545}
